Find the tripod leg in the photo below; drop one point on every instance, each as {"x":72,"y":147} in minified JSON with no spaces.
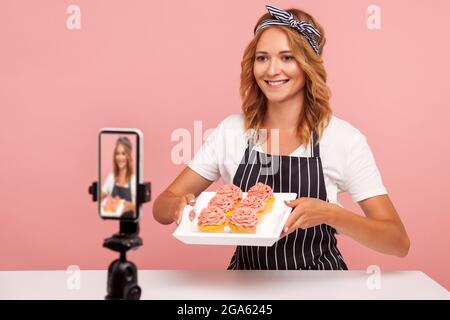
{"x":122,"y":281}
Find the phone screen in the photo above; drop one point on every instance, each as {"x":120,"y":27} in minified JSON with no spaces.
{"x":118,"y":165}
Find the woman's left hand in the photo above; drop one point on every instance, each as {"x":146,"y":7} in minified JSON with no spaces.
{"x":128,"y":206}
{"x":307,"y":213}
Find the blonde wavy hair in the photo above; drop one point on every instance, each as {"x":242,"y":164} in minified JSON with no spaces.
{"x":316,"y":112}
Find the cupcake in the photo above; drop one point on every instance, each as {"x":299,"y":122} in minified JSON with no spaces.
{"x":211,"y":219}
{"x":107,"y":207}
{"x":265,"y":193}
{"x":244,"y":220}
{"x":254,"y":203}
{"x":227,"y":204}
{"x":231,"y":191}
{"x":111,"y":204}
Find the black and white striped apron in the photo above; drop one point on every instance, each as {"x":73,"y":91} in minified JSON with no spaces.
{"x":125,"y":194}
{"x":313,"y":248}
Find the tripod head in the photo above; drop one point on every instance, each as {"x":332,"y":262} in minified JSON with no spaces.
{"x":126,"y":239}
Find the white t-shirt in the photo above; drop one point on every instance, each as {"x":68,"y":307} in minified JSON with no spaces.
{"x":109,"y":185}
{"x":347,"y":160}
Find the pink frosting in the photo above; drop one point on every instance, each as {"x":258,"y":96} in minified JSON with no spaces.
{"x":245,"y":217}
{"x":211,"y":216}
{"x":261,"y":190}
{"x":253,"y":202}
{"x":231,"y":191}
{"x":222,"y":201}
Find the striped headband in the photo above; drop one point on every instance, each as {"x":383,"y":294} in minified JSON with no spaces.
{"x":125,"y":141}
{"x":285,"y":18}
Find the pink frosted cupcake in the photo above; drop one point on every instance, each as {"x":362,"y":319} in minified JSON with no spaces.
{"x":211,"y":219}
{"x":263,"y":192}
{"x":254,"y":203}
{"x":227,"y":204}
{"x":231,"y":191}
{"x":244,"y":220}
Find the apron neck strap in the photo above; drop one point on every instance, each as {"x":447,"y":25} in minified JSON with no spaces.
{"x":315,"y":150}
{"x":314,"y":147}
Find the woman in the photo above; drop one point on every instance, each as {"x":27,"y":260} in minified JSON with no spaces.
{"x":287,"y":137}
{"x":121,"y":184}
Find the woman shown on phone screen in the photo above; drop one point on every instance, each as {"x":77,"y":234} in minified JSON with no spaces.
{"x":120,"y":185}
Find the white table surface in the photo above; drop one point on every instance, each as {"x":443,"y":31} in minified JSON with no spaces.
{"x":226,"y":285}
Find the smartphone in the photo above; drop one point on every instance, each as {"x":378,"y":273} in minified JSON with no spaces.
{"x":120,"y":171}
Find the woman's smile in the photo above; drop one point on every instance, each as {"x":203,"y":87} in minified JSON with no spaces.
{"x":276,"y":84}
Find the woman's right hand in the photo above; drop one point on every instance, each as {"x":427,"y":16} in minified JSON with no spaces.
{"x":169,"y":205}
{"x":180,"y":204}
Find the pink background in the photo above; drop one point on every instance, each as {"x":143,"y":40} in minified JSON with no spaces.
{"x":159,"y":66}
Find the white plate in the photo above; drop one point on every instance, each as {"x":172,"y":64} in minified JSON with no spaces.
{"x":115,"y":214}
{"x":267,"y":232}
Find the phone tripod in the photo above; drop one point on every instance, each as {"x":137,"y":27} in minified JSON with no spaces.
{"x":122,"y":280}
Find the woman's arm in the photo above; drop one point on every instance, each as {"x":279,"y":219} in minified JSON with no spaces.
{"x":129,"y":206}
{"x":107,"y":186}
{"x":169,"y":205}
{"x":381,"y":229}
